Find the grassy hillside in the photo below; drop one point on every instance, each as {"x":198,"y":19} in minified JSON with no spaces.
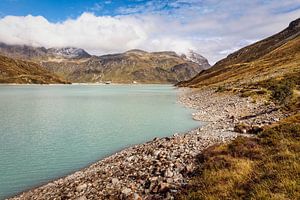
{"x":134,"y":65}
{"x":76,"y":65}
{"x":17,"y":71}
{"x":264,"y":167}
{"x":273,"y":57}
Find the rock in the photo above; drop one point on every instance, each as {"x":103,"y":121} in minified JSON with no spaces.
{"x":276,"y":119}
{"x":155,"y":189}
{"x":189,"y":168}
{"x":136,"y":197}
{"x":81,"y":198}
{"x":156,"y":153}
{"x":164,"y":187}
{"x":242,"y":128}
{"x":255,"y":129}
{"x":168,"y":173}
{"x":81,"y":187}
{"x":114,"y":181}
{"x":126,"y":191}
{"x":170,"y":180}
{"x":131,"y":158}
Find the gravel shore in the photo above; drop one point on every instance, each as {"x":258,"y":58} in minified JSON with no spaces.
{"x":159,"y":168}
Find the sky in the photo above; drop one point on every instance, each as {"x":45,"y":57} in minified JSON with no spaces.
{"x":213,"y":28}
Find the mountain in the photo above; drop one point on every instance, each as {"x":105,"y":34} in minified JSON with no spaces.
{"x":76,"y":65}
{"x":272,"y":57}
{"x":18,"y":71}
{"x":134,"y":65}
{"x":40,"y":53}
{"x":197,"y":58}
{"x":68,"y":52}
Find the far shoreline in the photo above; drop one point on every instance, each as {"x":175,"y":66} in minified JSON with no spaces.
{"x":96,"y":84}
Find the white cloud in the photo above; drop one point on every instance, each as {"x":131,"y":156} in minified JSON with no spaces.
{"x":97,"y":35}
{"x":214,"y":28}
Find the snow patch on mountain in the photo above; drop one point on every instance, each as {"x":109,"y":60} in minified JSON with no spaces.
{"x":69,"y":52}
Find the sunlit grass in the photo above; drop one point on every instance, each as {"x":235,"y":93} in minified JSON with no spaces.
{"x":266,"y":167}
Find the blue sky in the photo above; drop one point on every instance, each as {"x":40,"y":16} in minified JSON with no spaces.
{"x":60,"y":10}
{"x":213,"y":28}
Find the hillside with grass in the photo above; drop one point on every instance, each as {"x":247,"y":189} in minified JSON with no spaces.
{"x":266,"y":164}
{"x":76,"y":65}
{"x":275,"y":56}
{"x":134,"y":65}
{"x":22,"y":72}
{"x":262,"y":167}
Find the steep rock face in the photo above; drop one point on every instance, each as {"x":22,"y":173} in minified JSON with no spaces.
{"x":135,"y":65}
{"x":273,"y":56}
{"x":18,"y":71}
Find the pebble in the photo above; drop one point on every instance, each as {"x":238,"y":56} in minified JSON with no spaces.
{"x":81,"y":187}
{"x":126,"y":191}
{"x":114,"y":181}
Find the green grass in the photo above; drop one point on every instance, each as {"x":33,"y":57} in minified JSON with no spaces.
{"x":284,"y":90}
{"x":265,"y":167}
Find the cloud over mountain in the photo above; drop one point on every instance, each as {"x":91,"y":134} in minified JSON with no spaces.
{"x":213,"y":28}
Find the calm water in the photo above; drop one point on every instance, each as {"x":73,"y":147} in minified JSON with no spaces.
{"x":50,"y":131}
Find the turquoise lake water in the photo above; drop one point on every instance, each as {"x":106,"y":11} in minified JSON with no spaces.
{"x":50,"y":131}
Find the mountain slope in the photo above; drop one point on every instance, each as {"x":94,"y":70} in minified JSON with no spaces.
{"x":271,"y":57}
{"x":135,"y":65}
{"x":18,"y":71}
{"x":39,"y":53}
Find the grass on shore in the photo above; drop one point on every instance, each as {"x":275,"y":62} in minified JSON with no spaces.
{"x":284,"y":91}
{"x":264,"y":167}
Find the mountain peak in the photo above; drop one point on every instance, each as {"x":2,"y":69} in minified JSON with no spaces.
{"x":197,"y":58}
{"x":69,"y":52}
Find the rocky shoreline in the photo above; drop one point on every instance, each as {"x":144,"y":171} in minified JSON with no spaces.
{"x":160,"y":168}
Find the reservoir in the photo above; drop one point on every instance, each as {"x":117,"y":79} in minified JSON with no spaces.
{"x":49,"y":131}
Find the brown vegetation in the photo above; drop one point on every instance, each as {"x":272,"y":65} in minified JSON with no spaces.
{"x":17,"y":71}
{"x":275,"y":56}
{"x":264,"y":167}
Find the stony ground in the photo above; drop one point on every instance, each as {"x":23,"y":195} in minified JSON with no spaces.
{"x":159,"y":168}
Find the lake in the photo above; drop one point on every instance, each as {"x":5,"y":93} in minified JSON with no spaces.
{"x":49,"y":131}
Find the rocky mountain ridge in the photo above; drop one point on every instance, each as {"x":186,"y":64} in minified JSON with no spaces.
{"x":37,"y":53}
{"x":135,"y":65}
